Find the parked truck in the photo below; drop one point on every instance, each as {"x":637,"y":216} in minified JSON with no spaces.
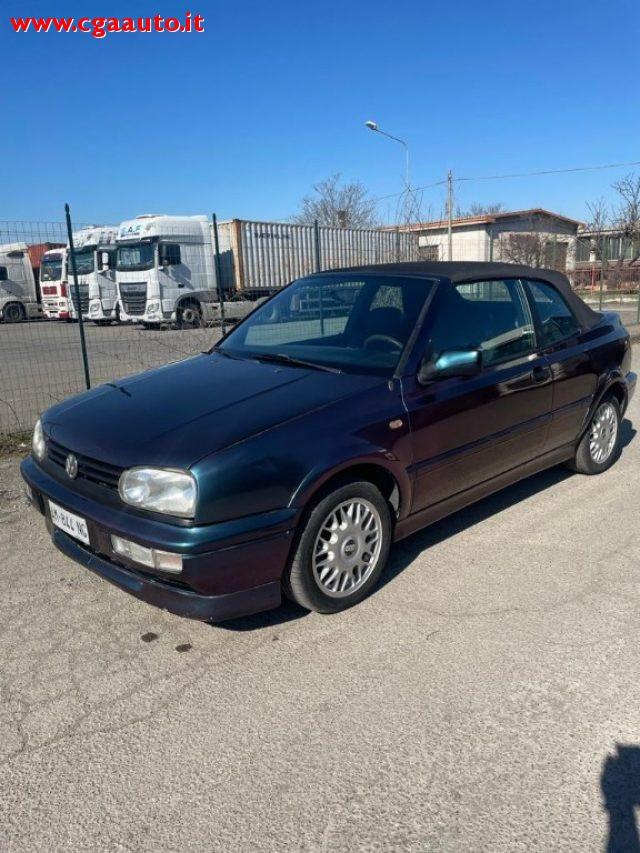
{"x":165,"y":270}
{"x":95,"y":260}
{"x":20,"y":266}
{"x":54,"y":283}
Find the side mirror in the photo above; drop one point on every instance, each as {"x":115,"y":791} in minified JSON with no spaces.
{"x":452,"y":363}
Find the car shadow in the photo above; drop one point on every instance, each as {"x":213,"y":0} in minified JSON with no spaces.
{"x":620,"y":784}
{"x":406,"y":551}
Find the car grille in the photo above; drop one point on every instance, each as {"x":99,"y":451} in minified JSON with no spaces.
{"x":101,"y":473}
{"x":84,"y":298}
{"x":134,"y":298}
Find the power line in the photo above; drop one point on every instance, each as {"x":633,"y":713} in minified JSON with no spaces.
{"x":551,"y":172}
{"x":515,"y":175}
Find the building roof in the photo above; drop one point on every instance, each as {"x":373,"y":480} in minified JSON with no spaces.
{"x":488,"y":218}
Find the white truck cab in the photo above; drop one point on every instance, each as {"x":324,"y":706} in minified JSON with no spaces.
{"x":95,"y":257}
{"x":18,"y":292}
{"x":165,"y":270}
{"x":54,"y":284}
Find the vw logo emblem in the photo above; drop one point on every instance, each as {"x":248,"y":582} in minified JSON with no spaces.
{"x":71,"y":466}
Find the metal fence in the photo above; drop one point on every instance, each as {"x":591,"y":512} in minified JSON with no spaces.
{"x":126,"y":329}
{"x":48,"y":358}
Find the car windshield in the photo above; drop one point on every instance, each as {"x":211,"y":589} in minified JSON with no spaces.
{"x":137,"y":256}
{"x":84,"y":261}
{"x":51,"y":269}
{"x":353,"y":322}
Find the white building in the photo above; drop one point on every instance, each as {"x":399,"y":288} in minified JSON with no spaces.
{"x":536,"y":237}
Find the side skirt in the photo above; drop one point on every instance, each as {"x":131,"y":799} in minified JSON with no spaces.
{"x":434,"y":513}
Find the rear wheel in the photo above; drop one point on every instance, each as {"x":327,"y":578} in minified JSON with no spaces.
{"x":342,"y":549}
{"x":190,"y":316}
{"x":600,"y":445}
{"x":14,"y":313}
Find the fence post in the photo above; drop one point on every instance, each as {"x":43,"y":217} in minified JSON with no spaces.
{"x":603,"y":258}
{"x":216,"y":245}
{"x":316,"y":240}
{"x":76,"y":287}
{"x":398,"y":244}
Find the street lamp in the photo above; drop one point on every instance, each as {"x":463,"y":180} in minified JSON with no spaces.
{"x":372,"y":125}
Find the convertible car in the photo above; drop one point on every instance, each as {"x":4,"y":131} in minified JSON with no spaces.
{"x":351,"y":409}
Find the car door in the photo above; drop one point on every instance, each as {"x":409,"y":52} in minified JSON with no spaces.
{"x":574,"y":376}
{"x":466,"y":430}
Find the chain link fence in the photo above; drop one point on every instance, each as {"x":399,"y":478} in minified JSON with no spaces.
{"x":157,"y":289}
{"x":149,"y":292}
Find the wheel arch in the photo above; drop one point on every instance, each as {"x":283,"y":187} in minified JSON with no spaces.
{"x":393,"y":484}
{"x":612,"y":383}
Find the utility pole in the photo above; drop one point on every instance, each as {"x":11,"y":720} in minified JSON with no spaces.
{"x":450,"y":213}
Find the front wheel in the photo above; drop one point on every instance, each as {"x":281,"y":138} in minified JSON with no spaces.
{"x":14,"y":313}
{"x":600,"y":445}
{"x":342,"y":549}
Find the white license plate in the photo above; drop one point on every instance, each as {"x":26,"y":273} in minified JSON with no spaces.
{"x":70,"y":523}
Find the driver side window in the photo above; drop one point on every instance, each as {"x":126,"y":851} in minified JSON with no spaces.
{"x":492,"y":316}
{"x":556,"y":320}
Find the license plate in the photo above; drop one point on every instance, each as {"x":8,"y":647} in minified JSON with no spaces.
{"x":70,"y":523}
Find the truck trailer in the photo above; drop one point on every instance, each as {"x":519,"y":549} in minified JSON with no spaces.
{"x":258,"y":258}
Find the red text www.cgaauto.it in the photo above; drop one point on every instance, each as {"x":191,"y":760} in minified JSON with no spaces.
{"x":98,"y":28}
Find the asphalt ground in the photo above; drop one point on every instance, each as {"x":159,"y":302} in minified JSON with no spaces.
{"x":485,"y":698}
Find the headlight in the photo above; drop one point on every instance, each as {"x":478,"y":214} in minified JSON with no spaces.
{"x":171,"y":492}
{"x":153,"y":307}
{"x":38,"y":443}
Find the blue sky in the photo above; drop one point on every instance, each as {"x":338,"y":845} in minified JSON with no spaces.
{"x":272,"y":97}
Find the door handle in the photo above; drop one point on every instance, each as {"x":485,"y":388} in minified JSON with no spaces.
{"x":540,"y":373}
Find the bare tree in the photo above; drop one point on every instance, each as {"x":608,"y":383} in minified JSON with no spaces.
{"x":534,"y":247}
{"x":626,"y":217}
{"x":343,"y":206}
{"x":478,"y":208}
{"x":613,"y":232}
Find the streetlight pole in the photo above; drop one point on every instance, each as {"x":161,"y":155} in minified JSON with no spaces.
{"x":372,"y":125}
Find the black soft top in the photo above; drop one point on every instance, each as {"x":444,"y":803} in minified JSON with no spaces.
{"x":456,"y":272}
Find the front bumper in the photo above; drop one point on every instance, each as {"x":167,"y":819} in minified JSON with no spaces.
{"x":230,"y":569}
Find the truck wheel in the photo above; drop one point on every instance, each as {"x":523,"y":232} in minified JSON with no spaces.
{"x":189,"y":316}
{"x":342,"y":549}
{"x":14,"y":313}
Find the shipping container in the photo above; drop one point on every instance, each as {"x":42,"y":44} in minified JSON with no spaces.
{"x":260,"y":257}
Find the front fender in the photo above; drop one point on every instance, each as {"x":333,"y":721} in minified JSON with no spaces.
{"x":352,"y":457}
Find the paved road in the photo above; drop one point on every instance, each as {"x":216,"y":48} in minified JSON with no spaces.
{"x":481,"y":700}
{"x":41,"y":363}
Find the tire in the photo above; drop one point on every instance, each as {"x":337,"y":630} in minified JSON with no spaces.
{"x":14,"y":313}
{"x":600,"y":445}
{"x":190,"y":316}
{"x":102,"y":322}
{"x":308,"y":580}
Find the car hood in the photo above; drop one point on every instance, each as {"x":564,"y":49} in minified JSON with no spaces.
{"x":177,"y":414}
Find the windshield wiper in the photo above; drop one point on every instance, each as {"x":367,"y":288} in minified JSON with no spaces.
{"x":281,"y":358}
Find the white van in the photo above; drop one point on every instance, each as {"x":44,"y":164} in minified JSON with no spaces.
{"x":54,"y":284}
{"x":95,"y":257}
{"x":18,"y":292}
{"x":165,"y":271}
